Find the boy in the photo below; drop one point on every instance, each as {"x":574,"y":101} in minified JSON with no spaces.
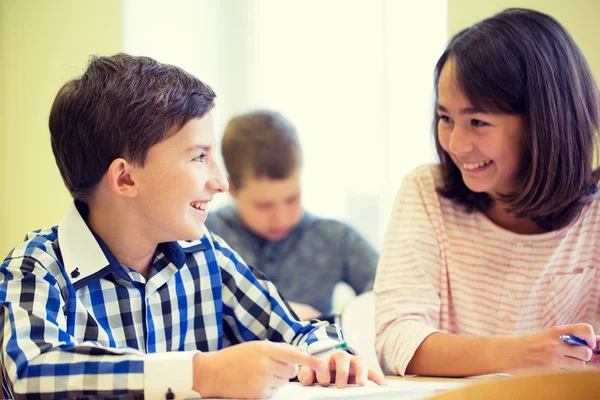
{"x":122,"y":298}
{"x":304,"y":255}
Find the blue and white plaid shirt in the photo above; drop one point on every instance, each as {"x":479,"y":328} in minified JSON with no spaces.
{"x":77,"y":323}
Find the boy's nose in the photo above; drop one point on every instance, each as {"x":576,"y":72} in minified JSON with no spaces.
{"x":218,"y":182}
{"x":280,"y":217}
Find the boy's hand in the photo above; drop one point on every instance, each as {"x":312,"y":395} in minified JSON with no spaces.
{"x":304,"y":311}
{"x":250,"y":370}
{"x":343,"y":369}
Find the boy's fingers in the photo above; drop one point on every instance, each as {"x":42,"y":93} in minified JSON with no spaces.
{"x":360,"y":372}
{"x":285,"y":370}
{"x":306,"y":376}
{"x":377,"y":378}
{"x":293,"y":355}
{"x":342,"y":369}
{"x":323,"y":376}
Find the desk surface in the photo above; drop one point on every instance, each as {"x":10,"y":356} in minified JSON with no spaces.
{"x":408,"y":388}
{"x":478,"y":378}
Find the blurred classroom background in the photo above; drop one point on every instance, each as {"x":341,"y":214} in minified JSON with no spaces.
{"x":354,"y":76}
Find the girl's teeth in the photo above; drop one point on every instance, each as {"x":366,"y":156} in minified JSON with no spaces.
{"x":471,"y":166}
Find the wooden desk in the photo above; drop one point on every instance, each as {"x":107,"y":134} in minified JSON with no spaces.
{"x":539,"y":384}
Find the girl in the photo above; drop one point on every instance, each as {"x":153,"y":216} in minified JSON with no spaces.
{"x":493,"y":255}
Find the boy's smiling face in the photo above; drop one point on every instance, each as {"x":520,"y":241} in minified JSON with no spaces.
{"x":179,"y":178}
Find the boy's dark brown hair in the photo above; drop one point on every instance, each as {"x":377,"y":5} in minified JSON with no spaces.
{"x":120,"y":107}
{"x":524,"y":62}
{"x":260,"y":144}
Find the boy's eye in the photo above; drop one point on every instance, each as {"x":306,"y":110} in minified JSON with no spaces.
{"x":478,"y":122}
{"x":292,"y":200}
{"x":199,"y":158}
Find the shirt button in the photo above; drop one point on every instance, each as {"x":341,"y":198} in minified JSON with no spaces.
{"x":513,"y":295}
{"x":507,"y":318}
{"x":519,"y":245}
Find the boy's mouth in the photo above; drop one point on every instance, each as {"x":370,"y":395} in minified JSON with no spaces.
{"x":199,"y":205}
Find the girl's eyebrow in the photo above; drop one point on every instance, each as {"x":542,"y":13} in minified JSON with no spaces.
{"x":468,"y":110}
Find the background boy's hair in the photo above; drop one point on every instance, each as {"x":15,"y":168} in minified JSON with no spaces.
{"x":260,"y":144}
{"x":120,"y":107}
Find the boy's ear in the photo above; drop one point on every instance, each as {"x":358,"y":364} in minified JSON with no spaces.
{"x":119,"y":178}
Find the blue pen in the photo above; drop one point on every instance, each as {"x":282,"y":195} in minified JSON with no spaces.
{"x":574,"y":340}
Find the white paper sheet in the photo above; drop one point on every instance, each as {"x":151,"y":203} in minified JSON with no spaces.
{"x":396,"y":389}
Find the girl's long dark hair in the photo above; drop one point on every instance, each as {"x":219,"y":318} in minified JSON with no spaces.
{"x":524,"y":62}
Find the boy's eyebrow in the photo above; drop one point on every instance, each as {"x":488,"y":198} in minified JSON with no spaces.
{"x":468,"y":110}
{"x":202,"y":147}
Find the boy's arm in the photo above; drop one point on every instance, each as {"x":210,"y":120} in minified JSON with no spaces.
{"x":360,"y":261}
{"x":253,"y":308}
{"x":41,"y":357}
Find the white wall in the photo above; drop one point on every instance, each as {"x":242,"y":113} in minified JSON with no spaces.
{"x":355,"y":77}
{"x":207,"y":38}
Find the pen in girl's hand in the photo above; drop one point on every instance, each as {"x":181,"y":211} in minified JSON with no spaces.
{"x":574,"y":340}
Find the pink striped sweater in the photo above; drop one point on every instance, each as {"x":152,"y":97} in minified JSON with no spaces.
{"x":442,"y":269}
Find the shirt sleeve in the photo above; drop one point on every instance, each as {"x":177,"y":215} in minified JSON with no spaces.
{"x":41,"y":358}
{"x":407,"y":301}
{"x":163,"y":374}
{"x":360,"y":261}
{"x":253,"y":308}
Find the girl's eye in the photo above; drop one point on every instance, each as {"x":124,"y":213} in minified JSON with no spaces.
{"x":477,"y":123}
{"x":445,"y":118}
{"x":199,"y":158}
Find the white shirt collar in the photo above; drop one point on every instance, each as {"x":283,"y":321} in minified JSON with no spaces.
{"x":83,"y":256}
{"x":81,"y":253}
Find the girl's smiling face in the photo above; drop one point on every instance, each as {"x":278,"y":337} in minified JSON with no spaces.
{"x":487,"y":147}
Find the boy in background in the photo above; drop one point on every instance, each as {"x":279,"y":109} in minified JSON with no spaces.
{"x":304,"y":255}
{"x":128,"y":296}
